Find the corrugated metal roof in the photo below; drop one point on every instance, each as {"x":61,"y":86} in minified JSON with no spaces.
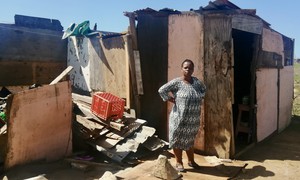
{"x":220,"y":5}
{"x":217,"y":6}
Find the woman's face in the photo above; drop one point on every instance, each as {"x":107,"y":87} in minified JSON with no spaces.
{"x":187,"y":69}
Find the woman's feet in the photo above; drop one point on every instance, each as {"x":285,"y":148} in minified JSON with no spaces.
{"x":194,"y":165}
{"x":179,"y":167}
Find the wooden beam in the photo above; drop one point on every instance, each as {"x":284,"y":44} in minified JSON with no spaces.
{"x":62,"y":75}
{"x":88,"y":123}
{"x":82,"y":98}
{"x":130,"y":56}
{"x":138,"y":72}
{"x":132,"y":30}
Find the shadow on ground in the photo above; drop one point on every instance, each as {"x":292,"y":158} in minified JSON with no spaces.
{"x":278,"y":157}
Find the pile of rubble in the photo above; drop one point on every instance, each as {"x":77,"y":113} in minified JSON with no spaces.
{"x":124,"y":140}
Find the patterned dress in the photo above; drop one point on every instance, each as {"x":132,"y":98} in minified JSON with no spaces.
{"x":184,"y":119}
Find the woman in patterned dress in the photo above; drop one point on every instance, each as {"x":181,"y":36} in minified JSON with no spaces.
{"x":186,"y":94}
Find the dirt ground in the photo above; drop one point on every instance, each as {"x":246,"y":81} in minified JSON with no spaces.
{"x":275,"y":158}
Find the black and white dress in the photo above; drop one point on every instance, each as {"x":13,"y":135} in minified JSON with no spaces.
{"x":184,"y":119}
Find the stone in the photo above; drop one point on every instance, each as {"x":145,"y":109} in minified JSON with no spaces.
{"x":164,"y":170}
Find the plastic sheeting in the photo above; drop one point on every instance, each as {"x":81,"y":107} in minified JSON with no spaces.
{"x":82,"y":29}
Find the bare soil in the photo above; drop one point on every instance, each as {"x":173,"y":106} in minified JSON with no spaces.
{"x":275,"y":158}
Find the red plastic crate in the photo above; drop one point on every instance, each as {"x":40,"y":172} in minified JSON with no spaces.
{"x":107,"y":106}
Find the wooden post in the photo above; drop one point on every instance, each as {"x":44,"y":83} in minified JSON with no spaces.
{"x":129,"y":55}
{"x":134,"y":62}
{"x":132,"y":30}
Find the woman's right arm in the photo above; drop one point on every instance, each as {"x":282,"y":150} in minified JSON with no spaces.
{"x":166,"y":91}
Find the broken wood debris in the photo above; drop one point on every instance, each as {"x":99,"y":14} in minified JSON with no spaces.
{"x":62,"y":75}
{"x":120,"y":139}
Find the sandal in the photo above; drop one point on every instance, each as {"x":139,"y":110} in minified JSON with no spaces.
{"x":194,"y":165}
{"x":179,"y":167}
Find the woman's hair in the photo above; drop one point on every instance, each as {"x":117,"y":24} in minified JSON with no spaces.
{"x":187,"y":60}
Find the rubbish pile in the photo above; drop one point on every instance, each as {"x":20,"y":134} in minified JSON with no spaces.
{"x":124,"y":139}
{"x":105,"y":127}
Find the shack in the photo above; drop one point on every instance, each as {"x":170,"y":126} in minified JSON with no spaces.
{"x":246,"y":65}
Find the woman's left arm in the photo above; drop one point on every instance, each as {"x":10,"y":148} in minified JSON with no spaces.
{"x":202,"y":87}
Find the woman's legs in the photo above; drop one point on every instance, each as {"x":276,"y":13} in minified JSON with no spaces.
{"x":191,"y":160}
{"x":190,"y":155}
{"x":178,"y":155}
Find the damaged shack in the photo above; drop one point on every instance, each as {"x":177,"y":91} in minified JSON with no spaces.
{"x":106,"y":62}
{"x":246,"y":65}
{"x":52,"y":95}
{"x":37,"y":115}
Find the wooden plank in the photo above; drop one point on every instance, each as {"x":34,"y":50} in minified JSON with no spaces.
{"x":82,"y":98}
{"x":132,"y":71}
{"x":39,"y":125}
{"x":132,"y":30}
{"x":134,"y":63}
{"x":247,"y":23}
{"x":62,"y":75}
{"x":218,"y":105}
{"x":117,"y":126}
{"x":136,"y":55}
{"x":88,"y":123}
{"x":138,"y":72}
{"x":232,"y":144}
{"x":86,"y":110}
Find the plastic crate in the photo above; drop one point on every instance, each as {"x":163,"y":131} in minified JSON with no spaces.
{"x":107,"y":106}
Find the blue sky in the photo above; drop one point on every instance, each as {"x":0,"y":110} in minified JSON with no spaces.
{"x":282,"y":15}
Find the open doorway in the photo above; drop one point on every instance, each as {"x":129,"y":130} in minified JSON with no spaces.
{"x":243,"y":121}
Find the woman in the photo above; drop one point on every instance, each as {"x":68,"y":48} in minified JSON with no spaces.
{"x":186,"y":93}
